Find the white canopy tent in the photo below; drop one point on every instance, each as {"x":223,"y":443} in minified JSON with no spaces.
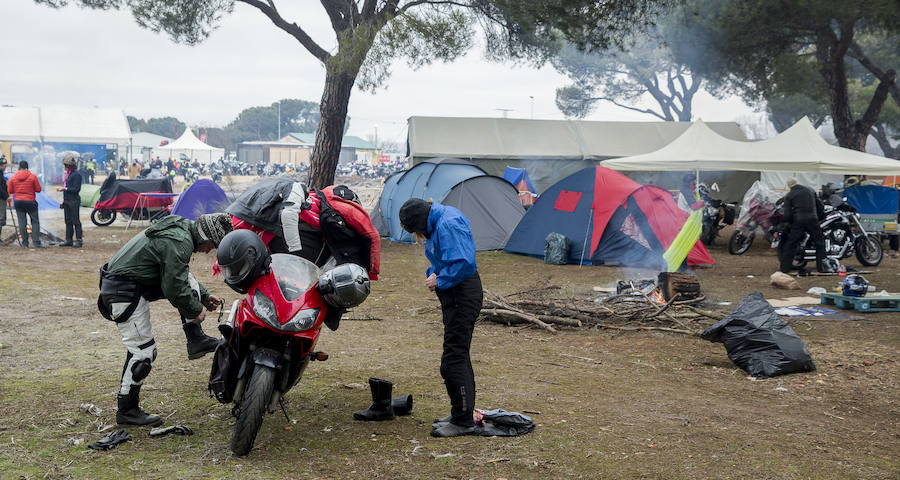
{"x":191,"y":147}
{"x":797,"y":149}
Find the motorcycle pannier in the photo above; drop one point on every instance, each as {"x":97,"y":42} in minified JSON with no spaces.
{"x":223,"y":373}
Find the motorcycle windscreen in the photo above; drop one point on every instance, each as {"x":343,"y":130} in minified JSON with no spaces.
{"x":295,"y":275}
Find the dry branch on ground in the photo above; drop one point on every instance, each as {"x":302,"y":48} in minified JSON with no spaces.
{"x":628,"y":312}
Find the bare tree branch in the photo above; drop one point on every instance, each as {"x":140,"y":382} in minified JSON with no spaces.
{"x":856,"y":52}
{"x":292,"y":28}
{"x":628,"y":107}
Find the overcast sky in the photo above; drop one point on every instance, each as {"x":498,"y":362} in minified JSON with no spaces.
{"x":90,"y":57}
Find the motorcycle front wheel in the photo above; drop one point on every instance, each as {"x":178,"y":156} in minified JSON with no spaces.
{"x":740,"y":242}
{"x":253,"y":407}
{"x":103,"y":218}
{"x":868,"y":250}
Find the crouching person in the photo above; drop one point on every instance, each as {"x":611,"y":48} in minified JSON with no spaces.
{"x":151,"y":266}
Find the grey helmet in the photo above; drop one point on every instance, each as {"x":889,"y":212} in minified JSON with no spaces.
{"x":344,"y":286}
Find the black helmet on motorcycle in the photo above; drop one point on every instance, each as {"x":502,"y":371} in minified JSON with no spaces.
{"x":243,"y":257}
{"x":344,"y":286}
{"x":855,"y":286}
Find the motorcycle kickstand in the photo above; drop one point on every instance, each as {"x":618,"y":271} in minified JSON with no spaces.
{"x":283,"y":409}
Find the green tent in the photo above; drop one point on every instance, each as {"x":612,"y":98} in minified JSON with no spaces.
{"x":89,"y":195}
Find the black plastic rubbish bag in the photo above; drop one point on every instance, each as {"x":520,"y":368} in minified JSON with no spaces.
{"x":556,"y":249}
{"x":759,"y":341}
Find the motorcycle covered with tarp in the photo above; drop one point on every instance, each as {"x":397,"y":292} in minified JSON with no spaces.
{"x":759,"y":211}
{"x":121,"y":196}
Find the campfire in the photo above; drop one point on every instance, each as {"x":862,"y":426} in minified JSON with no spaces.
{"x":667,"y":305}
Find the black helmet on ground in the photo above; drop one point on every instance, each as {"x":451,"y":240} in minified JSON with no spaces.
{"x":243,"y":257}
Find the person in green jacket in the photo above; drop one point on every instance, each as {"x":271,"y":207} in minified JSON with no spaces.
{"x":151,"y":266}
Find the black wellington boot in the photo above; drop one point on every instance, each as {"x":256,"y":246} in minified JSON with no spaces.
{"x":198,"y":343}
{"x":381,"y":408}
{"x":129,"y":413}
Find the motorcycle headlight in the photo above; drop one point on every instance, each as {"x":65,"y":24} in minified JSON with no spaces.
{"x":264,"y":308}
{"x":303,"y":320}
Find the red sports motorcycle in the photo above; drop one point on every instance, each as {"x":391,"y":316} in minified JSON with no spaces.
{"x":271,"y":333}
{"x":757,"y":213}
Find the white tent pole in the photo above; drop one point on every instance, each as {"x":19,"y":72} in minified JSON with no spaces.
{"x":584,"y":246}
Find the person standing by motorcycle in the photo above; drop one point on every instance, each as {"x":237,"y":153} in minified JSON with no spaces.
{"x":453,"y":276}
{"x":802,"y":212}
{"x":151,"y":266}
{"x":71,"y":203}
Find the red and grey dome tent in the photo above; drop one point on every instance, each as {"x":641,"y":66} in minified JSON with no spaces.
{"x":490,"y":203}
{"x":609,"y":218}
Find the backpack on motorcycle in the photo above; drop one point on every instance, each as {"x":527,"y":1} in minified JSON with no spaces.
{"x":346,"y":244}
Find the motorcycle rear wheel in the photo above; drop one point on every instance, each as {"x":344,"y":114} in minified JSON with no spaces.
{"x":740,"y":242}
{"x":103,"y":218}
{"x":253,"y":407}
{"x":869,"y":251}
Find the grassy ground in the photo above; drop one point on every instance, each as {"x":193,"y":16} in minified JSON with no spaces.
{"x":612,"y":404}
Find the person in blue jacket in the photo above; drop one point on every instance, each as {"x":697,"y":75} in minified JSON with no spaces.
{"x":453,"y":276}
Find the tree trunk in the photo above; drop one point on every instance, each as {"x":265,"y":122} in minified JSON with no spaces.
{"x":879,"y":133}
{"x":831,"y":66}
{"x":333,"y":109}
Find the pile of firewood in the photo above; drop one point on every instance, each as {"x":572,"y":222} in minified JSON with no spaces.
{"x":631,"y":311}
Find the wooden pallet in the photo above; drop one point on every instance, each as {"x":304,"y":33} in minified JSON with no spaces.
{"x":863,"y":304}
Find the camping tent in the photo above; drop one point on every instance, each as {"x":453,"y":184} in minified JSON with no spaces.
{"x":519,"y":178}
{"x":190,"y":146}
{"x":490,"y":203}
{"x":203,"y":196}
{"x":549,"y":149}
{"x":797,"y":149}
{"x":608,"y":217}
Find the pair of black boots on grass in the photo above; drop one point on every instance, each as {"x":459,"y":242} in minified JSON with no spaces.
{"x":383,"y":406}
{"x":386,"y":408}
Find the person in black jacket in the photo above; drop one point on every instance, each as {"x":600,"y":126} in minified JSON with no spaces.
{"x":4,"y":196}
{"x":71,"y":203}
{"x":802,"y":211}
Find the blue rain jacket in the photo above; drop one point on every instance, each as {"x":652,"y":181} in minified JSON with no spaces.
{"x":450,"y":247}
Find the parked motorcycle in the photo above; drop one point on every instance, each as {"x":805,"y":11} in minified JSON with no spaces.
{"x":716,"y":214}
{"x":844,"y":237}
{"x":271,"y":334}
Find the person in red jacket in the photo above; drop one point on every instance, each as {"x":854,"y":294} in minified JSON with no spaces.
{"x":23,"y":186}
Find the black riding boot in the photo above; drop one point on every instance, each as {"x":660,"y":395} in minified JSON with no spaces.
{"x":381,"y":408}
{"x":129,"y":413}
{"x":198,"y":343}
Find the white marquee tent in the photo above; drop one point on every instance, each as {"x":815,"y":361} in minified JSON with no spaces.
{"x":797,"y":149}
{"x":63,"y":123}
{"x":191,"y":147}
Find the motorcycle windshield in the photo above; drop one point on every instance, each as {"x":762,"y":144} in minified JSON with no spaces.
{"x":294,"y":275}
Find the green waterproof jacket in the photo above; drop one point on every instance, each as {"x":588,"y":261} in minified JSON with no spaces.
{"x":160,"y":257}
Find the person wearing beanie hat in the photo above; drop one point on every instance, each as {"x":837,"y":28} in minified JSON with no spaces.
{"x":802,"y":212}
{"x":154,"y":265}
{"x":71,"y":203}
{"x":453,"y":276}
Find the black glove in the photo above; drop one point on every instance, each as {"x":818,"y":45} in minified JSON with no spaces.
{"x":176,"y":429}
{"x":110,"y":440}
